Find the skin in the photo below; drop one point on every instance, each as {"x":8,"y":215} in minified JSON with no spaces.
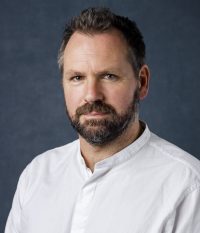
{"x":96,"y":67}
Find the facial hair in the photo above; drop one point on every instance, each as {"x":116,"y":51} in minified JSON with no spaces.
{"x":103,"y":131}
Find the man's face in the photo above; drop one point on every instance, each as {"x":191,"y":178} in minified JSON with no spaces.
{"x":100,"y":87}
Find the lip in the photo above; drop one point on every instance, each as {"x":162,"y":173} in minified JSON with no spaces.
{"x":95,"y":114}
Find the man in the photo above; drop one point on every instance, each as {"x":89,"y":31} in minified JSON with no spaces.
{"x":118,"y":177}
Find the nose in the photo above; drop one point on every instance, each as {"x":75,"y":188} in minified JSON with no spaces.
{"x":93,"y":91}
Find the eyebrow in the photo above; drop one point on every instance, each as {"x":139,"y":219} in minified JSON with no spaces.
{"x":104,"y":71}
{"x":73,"y":72}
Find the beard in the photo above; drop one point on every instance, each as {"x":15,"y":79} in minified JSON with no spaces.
{"x":103,"y":131}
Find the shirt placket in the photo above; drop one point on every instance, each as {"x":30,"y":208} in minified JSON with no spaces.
{"x":82,"y":208}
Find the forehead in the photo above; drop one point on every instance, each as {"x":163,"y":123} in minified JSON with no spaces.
{"x":110,"y":44}
{"x":96,"y":49}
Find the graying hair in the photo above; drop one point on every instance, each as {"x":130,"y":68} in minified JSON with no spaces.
{"x":99,"y":20}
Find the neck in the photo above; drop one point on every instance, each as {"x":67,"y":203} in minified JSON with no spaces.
{"x":93,"y":154}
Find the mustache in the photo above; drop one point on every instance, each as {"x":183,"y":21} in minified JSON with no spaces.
{"x":97,"y":106}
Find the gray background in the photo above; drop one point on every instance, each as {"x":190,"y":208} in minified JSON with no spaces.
{"x":32,"y":117}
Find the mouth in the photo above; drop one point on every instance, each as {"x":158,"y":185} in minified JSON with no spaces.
{"x":95,"y":114}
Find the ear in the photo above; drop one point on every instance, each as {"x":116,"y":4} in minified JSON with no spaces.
{"x":144,"y":76}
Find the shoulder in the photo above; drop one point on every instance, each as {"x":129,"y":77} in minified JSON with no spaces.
{"x":46,"y":168}
{"x":47,"y":163}
{"x":53,"y":158}
{"x":183,"y":167}
{"x":58,"y":153}
{"x":174,"y":153}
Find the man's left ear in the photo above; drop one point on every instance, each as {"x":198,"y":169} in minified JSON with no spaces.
{"x":144,"y":76}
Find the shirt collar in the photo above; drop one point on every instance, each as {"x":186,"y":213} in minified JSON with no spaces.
{"x":118,"y":158}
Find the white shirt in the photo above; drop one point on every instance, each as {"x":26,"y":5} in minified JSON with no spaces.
{"x":151,"y":186}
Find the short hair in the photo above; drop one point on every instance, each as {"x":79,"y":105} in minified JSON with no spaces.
{"x":99,"y":20}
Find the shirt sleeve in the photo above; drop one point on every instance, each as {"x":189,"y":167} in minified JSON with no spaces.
{"x":14,"y":218}
{"x":187,"y":214}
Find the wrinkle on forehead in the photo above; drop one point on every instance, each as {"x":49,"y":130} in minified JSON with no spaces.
{"x":106,"y":49}
{"x":90,"y":43}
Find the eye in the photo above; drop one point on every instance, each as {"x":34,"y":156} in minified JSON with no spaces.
{"x":111,"y":77}
{"x":76,"y":78}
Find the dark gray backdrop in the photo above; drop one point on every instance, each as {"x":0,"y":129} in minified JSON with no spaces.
{"x":32,"y":117}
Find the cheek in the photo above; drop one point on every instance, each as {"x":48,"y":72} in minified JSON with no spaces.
{"x":121,"y":99}
{"x":72,"y":100}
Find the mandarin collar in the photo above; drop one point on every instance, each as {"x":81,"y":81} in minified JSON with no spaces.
{"x":117,"y":158}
